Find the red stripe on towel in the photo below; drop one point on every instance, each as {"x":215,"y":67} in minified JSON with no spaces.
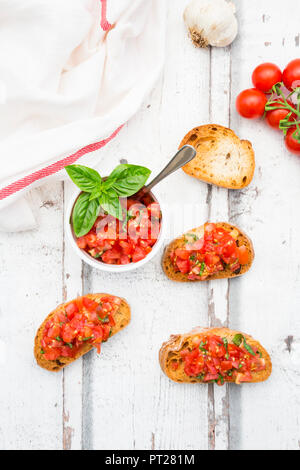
{"x":60,"y":164}
{"x":54,"y":167}
{"x":105,"y":25}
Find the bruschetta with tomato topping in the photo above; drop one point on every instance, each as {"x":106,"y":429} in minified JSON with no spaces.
{"x":212,"y":251}
{"x":214,"y":355}
{"x":75,"y":327}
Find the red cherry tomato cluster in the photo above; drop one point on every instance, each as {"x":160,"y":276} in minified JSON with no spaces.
{"x":276,"y":96}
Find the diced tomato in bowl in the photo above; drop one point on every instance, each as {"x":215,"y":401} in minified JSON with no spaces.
{"x":116,"y":246}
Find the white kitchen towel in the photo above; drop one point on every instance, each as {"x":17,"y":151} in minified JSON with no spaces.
{"x":72,"y":72}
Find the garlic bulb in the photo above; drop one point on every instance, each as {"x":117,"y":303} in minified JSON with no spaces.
{"x":211,"y":22}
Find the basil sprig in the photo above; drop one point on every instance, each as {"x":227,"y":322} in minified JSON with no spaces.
{"x":124,"y":181}
{"x":237,"y":340}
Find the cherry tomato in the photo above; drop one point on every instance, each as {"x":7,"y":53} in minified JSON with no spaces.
{"x":274,"y":117}
{"x":291,"y":143}
{"x":251,"y":103}
{"x":265,"y":76}
{"x":291,"y":74}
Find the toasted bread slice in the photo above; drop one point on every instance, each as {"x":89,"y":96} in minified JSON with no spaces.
{"x":170,"y":351}
{"x":222,"y":158}
{"x":172,"y":274}
{"x":121,"y":317}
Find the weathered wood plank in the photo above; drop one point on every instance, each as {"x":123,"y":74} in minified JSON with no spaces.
{"x":72,"y":376}
{"x":30,"y":280}
{"x":265,"y":302}
{"x":218,"y":292}
{"x":121,"y":397}
{"x":125,"y":384}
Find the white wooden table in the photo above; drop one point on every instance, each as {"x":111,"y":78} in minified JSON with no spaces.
{"x":121,"y":400}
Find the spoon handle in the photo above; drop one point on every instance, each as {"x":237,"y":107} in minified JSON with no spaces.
{"x":183,"y":156}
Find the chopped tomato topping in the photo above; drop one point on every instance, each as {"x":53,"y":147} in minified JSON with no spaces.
{"x":89,"y":304}
{"x":217,"y":250}
{"x":84,"y":321}
{"x":213,"y":358}
{"x":243,"y":255}
{"x":71,"y":309}
{"x":128,"y":241}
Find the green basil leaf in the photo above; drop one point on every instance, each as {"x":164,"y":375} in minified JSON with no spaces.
{"x":202,"y":269}
{"x":85,"y":178}
{"x":193,"y":235}
{"x":200,"y":376}
{"x":221,"y":378}
{"x":188,"y":236}
{"x":108,"y":183}
{"x":89,"y":337}
{"x":238,"y":338}
{"x":248,"y":348}
{"x":103,"y":320}
{"x":85,"y":213}
{"x":226,"y":347}
{"x":109,"y":201}
{"x":95,"y":194}
{"x":128,"y":179}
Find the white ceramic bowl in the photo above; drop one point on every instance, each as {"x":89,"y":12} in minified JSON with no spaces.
{"x":112,"y":268}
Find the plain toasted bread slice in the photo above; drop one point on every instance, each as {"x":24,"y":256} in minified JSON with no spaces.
{"x":172,"y":274}
{"x":121,"y":317}
{"x":222,"y":158}
{"x":170,"y":351}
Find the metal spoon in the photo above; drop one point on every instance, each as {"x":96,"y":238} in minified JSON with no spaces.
{"x":183,"y":156}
